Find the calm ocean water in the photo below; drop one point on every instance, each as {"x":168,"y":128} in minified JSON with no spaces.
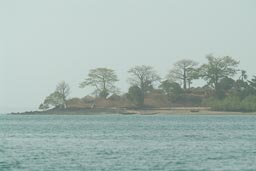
{"x":128,"y":142}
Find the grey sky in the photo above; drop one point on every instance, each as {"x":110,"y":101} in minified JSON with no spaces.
{"x":44,"y":42}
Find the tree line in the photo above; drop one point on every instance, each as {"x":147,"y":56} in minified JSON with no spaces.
{"x":222,"y":91}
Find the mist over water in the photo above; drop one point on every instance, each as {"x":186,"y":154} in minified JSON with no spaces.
{"x":44,"y":42}
{"x":131,"y":142}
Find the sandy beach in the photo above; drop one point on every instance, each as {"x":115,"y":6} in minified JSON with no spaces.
{"x":146,"y":111}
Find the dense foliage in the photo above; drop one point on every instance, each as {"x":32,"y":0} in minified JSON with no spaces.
{"x":143,"y":77}
{"x":232,"y":103}
{"x":135,"y":95}
{"x":221,"y":92}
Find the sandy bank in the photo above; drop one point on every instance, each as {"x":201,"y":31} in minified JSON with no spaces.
{"x":147,"y":111}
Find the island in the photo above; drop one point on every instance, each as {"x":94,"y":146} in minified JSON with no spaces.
{"x":226,"y":89}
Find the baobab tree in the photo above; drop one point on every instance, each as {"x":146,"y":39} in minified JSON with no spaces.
{"x":143,"y":77}
{"x":218,"y":68}
{"x":184,"y":71}
{"x":103,"y":79}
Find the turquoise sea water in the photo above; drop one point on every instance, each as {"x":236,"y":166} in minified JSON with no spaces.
{"x":128,"y":142}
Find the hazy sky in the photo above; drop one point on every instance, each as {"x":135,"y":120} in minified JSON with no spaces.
{"x":45,"y":41}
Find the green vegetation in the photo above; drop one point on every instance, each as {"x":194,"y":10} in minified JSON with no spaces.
{"x":172,"y":90}
{"x":103,"y":80}
{"x":58,"y":98}
{"x":184,"y":71}
{"x":233,"y":103}
{"x":143,"y":77}
{"x":135,"y":95}
{"x":218,"y":68}
{"x":221,"y":92}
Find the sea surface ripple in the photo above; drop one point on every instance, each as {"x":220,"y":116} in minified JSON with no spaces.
{"x":128,"y":142}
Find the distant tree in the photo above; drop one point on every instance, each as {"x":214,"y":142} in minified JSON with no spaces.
{"x":143,"y":77}
{"x":55,"y":99}
{"x":184,"y":71}
{"x":232,"y":103}
{"x":217,"y":69}
{"x":249,"y":103}
{"x":193,"y":74}
{"x":224,"y":87}
{"x":242,"y":89}
{"x":103,"y":79}
{"x":64,"y":90}
{"x":171,"y":89}
{"x":135,"y":95}
{"x":58,"y":98}
{"x":252,"y":86}
{"x":226,"y":83}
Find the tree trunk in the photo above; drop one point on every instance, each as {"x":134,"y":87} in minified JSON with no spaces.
{"x":184,"y":79}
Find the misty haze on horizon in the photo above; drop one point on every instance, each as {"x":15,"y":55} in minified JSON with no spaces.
{"x":45,"y":42}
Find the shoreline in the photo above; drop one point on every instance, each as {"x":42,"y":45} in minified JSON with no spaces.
{"x":124,"y":111}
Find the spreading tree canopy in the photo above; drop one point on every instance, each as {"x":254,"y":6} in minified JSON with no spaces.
{"x":103,"y":79}
{"x":143,"y":77}
{"x":218,"y":68}
{"x":183,"y":71}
